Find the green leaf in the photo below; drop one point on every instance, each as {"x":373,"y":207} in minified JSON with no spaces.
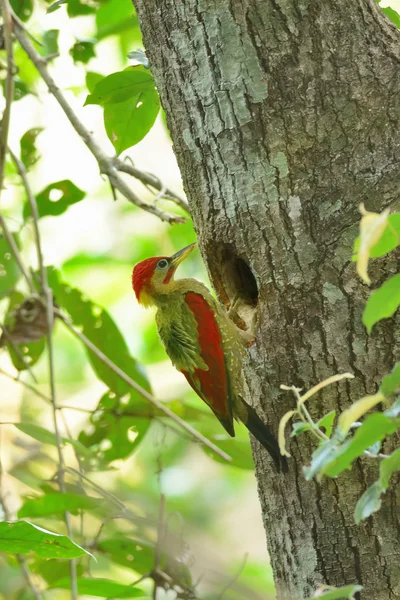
{"x":239,"y":450}
{"x":20,"y":88}
{"x":370,"y":501}
{"x":375,"y":428}
{"x":47,"y":437}
{"x":119,"y":87}
{"x":327,"y":422}
{"x":117,"y":427}
{"x":322,"y":456}
{"x":82,"y":52}
{"x":299,"y":427}
{"x":53,"y":569}
{"x":58,"y":504}
{"x":392,"y":15}
{"x":103,"y":588}
{"x":56,"y":5}
{"x":127,"y":123}
{"x":343,"y":593}
{"x":9,"y":270}
{"x":31,"y":353}
{"x":50,"y":42}
{"x":388,"y":241}
{"x":391,"y":382}
{"x":383,"y":302}
{"x":80,"y":8}
{"x":388,"y":466}
{"x":21,"y":537}
{"x":56,"y":198}
{"x":131,"y":553}
{"x":115,"y":16}
{"x":92,"y":79}
{"x":23,"y":8}
{"x":29,"y":152}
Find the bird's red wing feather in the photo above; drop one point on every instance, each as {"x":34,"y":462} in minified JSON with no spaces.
{"x":211,"y":385}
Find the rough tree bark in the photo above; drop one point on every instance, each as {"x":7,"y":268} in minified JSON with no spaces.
{"x":284,"y":116}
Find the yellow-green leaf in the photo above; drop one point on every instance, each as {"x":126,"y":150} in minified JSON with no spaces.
{"x":357,"y":410}
{"x":372,"y":226}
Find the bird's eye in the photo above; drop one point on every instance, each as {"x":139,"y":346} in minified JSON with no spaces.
{"x":162,"y":264}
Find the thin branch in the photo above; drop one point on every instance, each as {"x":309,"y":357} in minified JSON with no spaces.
{"x":47,"y":294}
{"x":16,"y":18}
{"x":106,"y":163}
{"x":26,"y":385}
{"x":43,"y":396}
{"x":61,"y":481}
{"x":193,"y":432}
{"x":9,"y":92}
{"x":234,"y":578}
{"x":152,"y":181}
{"x":105,"y":493}
{"x":158,"y":546}
{"x":35,"y":214}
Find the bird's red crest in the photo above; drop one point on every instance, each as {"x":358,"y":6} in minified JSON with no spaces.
{"x":143,"y":273}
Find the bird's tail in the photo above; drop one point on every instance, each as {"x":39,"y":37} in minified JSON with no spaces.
{"x":262,"y":433}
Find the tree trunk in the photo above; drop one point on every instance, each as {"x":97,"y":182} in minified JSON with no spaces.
{"x":285,"y":116}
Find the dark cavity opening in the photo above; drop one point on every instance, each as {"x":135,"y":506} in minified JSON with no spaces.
{"x":245,"y":282}
{"x":235,"y":285}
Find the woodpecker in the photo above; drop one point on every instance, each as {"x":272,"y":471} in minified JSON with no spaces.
{"x":202,"y":342}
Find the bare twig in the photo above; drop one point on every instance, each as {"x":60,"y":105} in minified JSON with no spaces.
{"x":151,"y":181}
{"x":107,"y":164}
{"x":9,"y":93}
{"x":194,"y":433}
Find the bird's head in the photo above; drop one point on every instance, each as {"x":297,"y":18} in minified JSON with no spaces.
{"x":153,"y":276}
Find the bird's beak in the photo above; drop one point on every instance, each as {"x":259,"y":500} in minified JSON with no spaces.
{"x":177,"y":258}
